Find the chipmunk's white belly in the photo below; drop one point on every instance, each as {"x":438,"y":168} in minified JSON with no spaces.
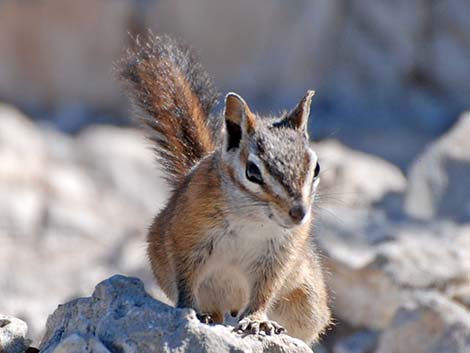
{"x":244,"y":242}
{"x":225,"y":279}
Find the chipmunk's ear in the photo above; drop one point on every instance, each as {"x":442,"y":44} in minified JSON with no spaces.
{"x":298,"y":117}
{"x":239,"y":120}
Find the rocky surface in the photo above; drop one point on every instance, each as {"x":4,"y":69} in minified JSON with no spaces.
{"x":436,"y":187}
{"x":429,"y":324}
{"x":13,"y":335}
{"x":358,"y":342}
{"x":74,"y":210}
{"x":345,"y":173}
{"x":121,"y":317}
{"x":395,"y":261}
{"x":388,"y":265}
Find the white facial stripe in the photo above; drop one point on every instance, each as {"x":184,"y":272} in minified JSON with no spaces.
{"x":310,"y":175}
{"x":276,"y":187}
{"x":315,"y":183}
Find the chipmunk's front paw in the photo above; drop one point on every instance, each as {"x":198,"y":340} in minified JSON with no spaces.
{"x":205,"y":318}
{"x":255,"y":326}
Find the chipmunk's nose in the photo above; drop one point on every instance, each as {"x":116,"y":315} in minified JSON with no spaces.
{"x":297,"y":213}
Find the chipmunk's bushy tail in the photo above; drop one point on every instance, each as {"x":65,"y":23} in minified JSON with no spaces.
{"x":175,"y":95}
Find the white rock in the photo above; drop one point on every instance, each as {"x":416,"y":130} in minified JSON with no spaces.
{"x":352,"y":178}
{"x":13,"y":335}
{"x":439,"y":179}
{"x":431,"y":324}
{"x":388,"y":263}
{"x":22,"y":148}
{"x":21,"y":210}
{"x":460,"y":293}
{"x":358,"y":342}
{"x":72,"y":211}
{"x":123,"y":160}
{"x":123,"y":317}
{"x":77,"y":344}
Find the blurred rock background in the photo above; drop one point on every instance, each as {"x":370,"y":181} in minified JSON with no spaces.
{"x":392,"y":81}
{"x":384,"y":71}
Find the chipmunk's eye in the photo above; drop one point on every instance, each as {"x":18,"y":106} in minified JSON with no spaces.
{"x":253,"y":173}
{"x":317,"y":170}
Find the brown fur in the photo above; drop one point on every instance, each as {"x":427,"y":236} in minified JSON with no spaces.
{"x":197,"y":199}
{"x":217,"y":246}
{"x":175,"y":96}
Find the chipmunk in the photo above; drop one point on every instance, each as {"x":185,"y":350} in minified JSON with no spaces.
{"x":235,"y":235}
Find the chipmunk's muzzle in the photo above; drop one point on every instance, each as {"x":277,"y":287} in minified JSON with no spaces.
{"x":297,"y":213}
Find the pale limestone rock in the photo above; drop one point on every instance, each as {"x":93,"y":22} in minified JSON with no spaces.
{"x":439,"y":179}
{"x":13,"y":335}
{"x":430,"y":324}
{"x":121,"y":316}
{"x":352,"y":178}
{"x":388,"y":263}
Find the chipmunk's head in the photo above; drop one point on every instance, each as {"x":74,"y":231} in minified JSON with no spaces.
{"x":270,"y":160}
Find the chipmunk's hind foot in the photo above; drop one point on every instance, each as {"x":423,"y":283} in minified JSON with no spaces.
{"x":263,"y":327}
